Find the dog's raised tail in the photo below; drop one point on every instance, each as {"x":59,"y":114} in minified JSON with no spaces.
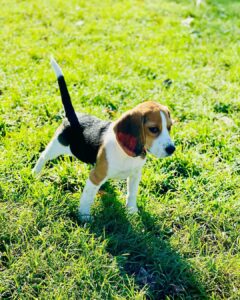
{"x":66,"y":100}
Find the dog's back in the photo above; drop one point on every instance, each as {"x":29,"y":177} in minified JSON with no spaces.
{"x":85,"y":141}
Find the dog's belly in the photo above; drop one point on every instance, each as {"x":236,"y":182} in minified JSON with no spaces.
{"x":121,"y":175}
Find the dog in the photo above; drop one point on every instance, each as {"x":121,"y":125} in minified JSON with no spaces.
{"x":115,"y":149}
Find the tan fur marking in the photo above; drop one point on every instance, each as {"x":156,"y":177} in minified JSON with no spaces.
{"x":150,"y":112}
{"x":99,"y":172}
{"x":153,"y":119}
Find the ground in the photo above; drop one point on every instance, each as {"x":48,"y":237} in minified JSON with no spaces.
{"x":184,"y":243}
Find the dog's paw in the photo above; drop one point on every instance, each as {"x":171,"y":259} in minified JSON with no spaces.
{"x":35,"y":171}
{"x":85,"y":218}
{"x":132,"y":209}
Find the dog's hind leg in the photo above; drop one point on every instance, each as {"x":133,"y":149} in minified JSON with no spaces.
{"x":53,"y":150}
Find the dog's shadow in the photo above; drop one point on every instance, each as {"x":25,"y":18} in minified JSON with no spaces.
{"x":143,"y":251}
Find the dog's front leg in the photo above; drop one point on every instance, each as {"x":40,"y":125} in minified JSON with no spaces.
{"x":89,"y":192}
{"x":97,"y":177}
{"x":132,"y":187}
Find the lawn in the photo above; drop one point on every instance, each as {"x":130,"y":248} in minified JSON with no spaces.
{"x":185,"y":241}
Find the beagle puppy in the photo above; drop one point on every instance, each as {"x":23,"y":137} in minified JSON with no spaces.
{"x":116,"y":149}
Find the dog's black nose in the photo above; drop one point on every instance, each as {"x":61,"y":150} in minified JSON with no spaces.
{"x":170,"y":149}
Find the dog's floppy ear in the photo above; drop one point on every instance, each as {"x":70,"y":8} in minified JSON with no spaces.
{"x":130,"y":133}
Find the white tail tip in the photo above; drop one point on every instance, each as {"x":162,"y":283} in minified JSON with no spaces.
{"x":56,"y":68}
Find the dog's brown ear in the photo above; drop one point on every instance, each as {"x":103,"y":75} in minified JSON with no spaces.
{"x":130,"y":133}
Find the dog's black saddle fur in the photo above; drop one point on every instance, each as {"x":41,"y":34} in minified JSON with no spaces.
{"x":85,"y":139}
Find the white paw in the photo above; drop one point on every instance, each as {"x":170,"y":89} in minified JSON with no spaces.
{"x":85,"y":217}
{"x":132,"y":209}
{"x":35,"y":171}
{"x":38,"y":167}
{"x":84,"y":214}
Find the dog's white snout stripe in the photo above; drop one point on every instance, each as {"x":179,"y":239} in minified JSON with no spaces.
{"x":163,"y":141}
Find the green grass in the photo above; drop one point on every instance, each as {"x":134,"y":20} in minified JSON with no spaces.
{"x":185,"y":242}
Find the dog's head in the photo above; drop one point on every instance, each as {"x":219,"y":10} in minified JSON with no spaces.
{"x":145,"y":128}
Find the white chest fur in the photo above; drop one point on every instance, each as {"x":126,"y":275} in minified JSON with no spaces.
{"x":120,"y":165}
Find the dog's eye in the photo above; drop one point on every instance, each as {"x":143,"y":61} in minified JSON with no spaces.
{"x":154,"y":129}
